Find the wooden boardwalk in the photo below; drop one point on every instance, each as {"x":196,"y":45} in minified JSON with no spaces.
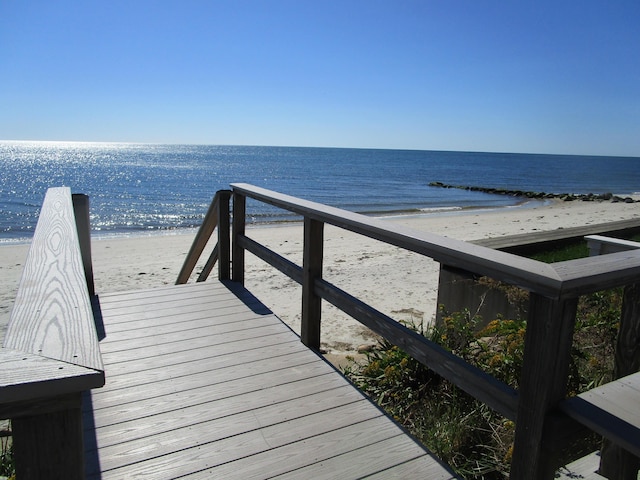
{"x":203,"y":381}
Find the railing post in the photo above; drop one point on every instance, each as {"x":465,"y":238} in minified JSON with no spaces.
{"x":311,"y":270}
{"x":543,"y":384}
{"x":237,"y":252}
{"x":81,"y":213}
{"x":224,"y":259}
{"x":50,"y":444}
{"x":615,"y":462}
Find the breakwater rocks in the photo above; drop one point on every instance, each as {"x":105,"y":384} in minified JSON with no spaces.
{"x":567,"y":197}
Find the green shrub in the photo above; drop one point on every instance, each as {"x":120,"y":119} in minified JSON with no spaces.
{"x":466,"y":434}
{"x":7,"y":467}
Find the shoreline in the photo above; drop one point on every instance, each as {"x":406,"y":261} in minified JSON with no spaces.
{"x":520,"y":202}
{"x":396,"y":282}
{"x":396,"y":214}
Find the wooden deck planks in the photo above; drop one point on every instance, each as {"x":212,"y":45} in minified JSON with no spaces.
{"x":201,"y":383}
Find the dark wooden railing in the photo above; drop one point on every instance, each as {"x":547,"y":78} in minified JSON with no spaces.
{"x":541,"y":426}
{"x":51,"y":352}
{"x":217,"y":216}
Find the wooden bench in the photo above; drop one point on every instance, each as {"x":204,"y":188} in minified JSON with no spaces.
{"x":601,"y":245}
{"x":51,"y":352}
{"x":611,"y":410}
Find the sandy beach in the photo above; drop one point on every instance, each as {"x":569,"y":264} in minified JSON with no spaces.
{"x":398,"y":283}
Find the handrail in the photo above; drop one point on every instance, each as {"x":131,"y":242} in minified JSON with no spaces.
{"x":51,"y":352}
{"x":553,"y":288}
{"x":209,"y":224}
{"x":526,"y":273}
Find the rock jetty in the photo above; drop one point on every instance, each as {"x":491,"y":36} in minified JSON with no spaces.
{"x":567,"y":197}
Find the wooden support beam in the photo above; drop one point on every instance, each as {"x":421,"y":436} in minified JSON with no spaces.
{"x":543,"y":384}
{"x":200,"y":242}
{"x":50,"y":445}
{"x":224,"y":240}
{"x":311,"y":270}
{"x":237,"y":252}
{"x":617,"y":463}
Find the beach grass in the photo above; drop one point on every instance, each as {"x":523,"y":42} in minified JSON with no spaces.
{"x":474,"y":440}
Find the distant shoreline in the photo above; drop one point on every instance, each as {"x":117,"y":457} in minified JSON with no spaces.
{"x":398,"y":283}
{"x":522,"y":200}
{"x":392,"y":214}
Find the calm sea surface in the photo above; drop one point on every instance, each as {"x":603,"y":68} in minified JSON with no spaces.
{"x":137,"y":188}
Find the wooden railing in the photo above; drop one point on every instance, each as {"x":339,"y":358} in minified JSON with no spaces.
{"x":541,"y":428}
{"x":602,"y":245}
{"x":217,"y":216}
{"x":51,"y":353}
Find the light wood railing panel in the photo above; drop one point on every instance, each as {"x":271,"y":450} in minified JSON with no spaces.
{"x":52,"y":315}
{"x":51,"y":352}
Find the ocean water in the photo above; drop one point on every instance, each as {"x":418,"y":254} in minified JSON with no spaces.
{"x":136,"y":188}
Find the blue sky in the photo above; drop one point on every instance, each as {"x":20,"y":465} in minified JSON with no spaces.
{"x":516,"y":76}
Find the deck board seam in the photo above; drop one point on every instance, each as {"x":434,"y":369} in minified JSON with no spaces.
{"x":167,"y":314}
{"x":109,"y":391}
{"x":200,"y":359}
{"x":236,"y":413}
{"x":214,"y":345}
{"x":257,"y":429}
{"x":221,"y":399}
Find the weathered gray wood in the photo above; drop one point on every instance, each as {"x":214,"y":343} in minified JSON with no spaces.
{"x":543,"y":384}
{"x":415,"y":468}
{"x":26,"y":376}
{"x":129,"y":404}
{"x":205,"y":360}
{"x":51,"y":349}
{"x":208,"y":267}
{"x":49,"y":445}
{"x":83,"y":225}
{"x":526,"y":273}
{"x":363,"y":461}
{"x":561,"y":279}
{"x":544,"y":378}
{"x":284,"y":265}
{"x":523,"y":242}
{"x":611,"y":411}
{"x":52,"y":313}
{"x":224,"y":238}
{"x":130,"y":302}
{"x":311,"y":271}
{"x":474,"y":381}
{"x":593,"y":274}
{"x":584,"y":468}
{"x":184,"y":407}
{"x":212,"y":426}
{"x":616,"y":462}
{"x":163,"y":312}
{"x":328,"y":458}
{"x":237,"y":252}
{"x":212,"y":403}
{"x":202,"y":237}
{"x":601,"y":245}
